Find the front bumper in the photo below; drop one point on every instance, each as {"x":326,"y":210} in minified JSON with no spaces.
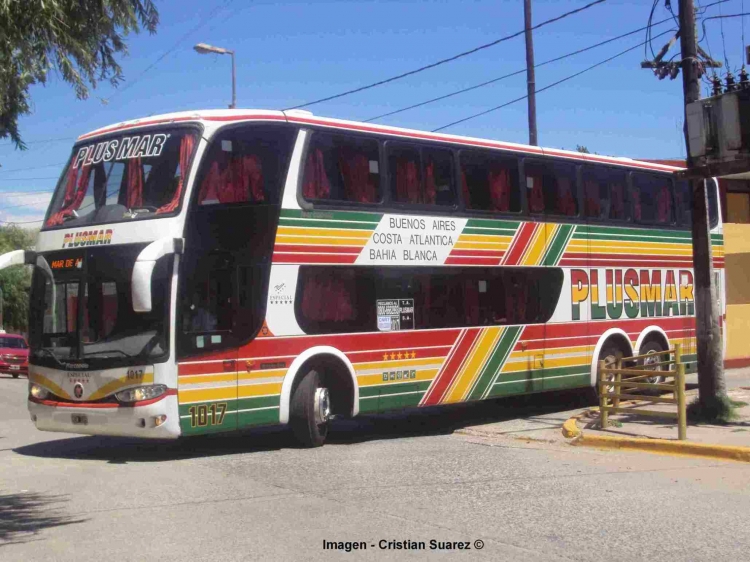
{"x":14,"y":368}
{"x":98,"y":418}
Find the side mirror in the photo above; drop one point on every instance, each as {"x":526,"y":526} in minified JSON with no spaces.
{"x":17,"y":257}
{"x":144,"y":268}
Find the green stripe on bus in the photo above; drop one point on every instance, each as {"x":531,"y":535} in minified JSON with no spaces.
{"x":492,"y":224}
{"x":556,"y":247}
{"x":331,"y":215}
{"x":258,"y":417}
{"x":304,"y":223}
{"x":594,"y":231}
{"x":496,"y":361}
{"x":522,"y":387}
{"x":399,"y":401}
{"x":537,"y":374}
{"x":384,"y":389}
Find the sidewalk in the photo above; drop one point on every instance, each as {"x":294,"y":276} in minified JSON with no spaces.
{"x":631,"y":431}
{"x":736,"y":433}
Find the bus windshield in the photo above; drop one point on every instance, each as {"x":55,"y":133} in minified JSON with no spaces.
{"x":123,"y":178}
{"x":86,"y":313}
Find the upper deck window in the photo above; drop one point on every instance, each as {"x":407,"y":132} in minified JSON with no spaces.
{"x":489,"y":182}
{"x":604,"y":193}
{"x":420,"y":177}
{"x":130,"y":176}
{"x":551,"y":188}
{"x":342,"y":168}
{"x":652,"y":199}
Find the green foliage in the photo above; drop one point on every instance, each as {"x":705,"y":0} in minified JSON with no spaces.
{"x":721,"y":410}
{"x":581,"y":148}
{"x":78,"y":38}
{"x":15,"y":281}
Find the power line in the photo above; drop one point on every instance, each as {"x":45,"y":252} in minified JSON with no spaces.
{"x":517,"y":72}
{"x":42,"y":141}
{"x":30,"y":179}
{"x":32,"y":168}
{"x":548,"y":86}
{"x":168,"y":51}
{"x":444,"y":61}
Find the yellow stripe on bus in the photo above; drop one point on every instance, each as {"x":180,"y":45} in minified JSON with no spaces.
{"x":465,"y":379}
{"x":320,"y":241}
{"x":115,"y":385}
{"x":251,"y":390}
{"x":535,"y":249}
{"x":207,"y":394}
{"x":528,"y":363}
{"x":397,"y":363}
{"x":49,"y":385}
{"x":335,"y":232}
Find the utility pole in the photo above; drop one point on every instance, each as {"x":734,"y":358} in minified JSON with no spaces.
{"x":711,"y":383}
{"x":530,"y":78}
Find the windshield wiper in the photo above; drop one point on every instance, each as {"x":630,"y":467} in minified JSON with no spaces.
{"x":49,"y":352}
{"x":92,"y":353}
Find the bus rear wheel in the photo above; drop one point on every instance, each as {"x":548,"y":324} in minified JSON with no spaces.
{"x":310,"y":411}
{"x":652,"y":348}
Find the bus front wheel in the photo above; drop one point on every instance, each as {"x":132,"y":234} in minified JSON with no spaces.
{"x":310,"y":411}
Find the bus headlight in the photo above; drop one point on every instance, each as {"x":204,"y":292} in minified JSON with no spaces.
{"x":38,"y":392}
{"x":141,"y":393}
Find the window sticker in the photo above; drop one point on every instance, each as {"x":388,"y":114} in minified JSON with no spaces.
{"x":395,"y":314}
{"x":373,"y":166}
{"x":199,"y":342}
{"x":215,"y":339}
{"x":226,"y":145}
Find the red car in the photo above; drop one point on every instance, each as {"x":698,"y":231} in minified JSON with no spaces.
{"x":14,"y":355}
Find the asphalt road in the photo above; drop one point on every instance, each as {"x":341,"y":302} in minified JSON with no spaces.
{"x":255,"y":496}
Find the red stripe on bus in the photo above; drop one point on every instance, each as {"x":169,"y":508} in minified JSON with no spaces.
{"x":478,"y":253}
{"x":438,"y":353}
{"x":314,"y":258}
{"x":459,"y":260}
{"x":515,"y":252}
{"x":450,"y":369}
{"x":287,"y":248}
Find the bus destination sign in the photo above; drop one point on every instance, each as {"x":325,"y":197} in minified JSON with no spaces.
{"x":66,"y":264}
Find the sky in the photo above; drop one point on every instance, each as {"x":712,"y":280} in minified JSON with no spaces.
{"x":292,"y":52}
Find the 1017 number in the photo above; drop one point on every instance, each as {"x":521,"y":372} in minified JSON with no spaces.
{"x":203,"y":415}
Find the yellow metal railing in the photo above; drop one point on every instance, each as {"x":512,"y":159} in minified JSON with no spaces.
{"x":616,"y":383}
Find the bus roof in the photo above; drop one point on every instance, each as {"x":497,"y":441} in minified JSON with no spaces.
{"x":307,"y":118}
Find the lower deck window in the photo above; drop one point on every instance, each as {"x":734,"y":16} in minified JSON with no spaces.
{"x":334,"y":299}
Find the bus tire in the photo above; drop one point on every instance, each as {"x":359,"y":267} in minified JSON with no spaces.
{"x":652,"y":347}
{"x":310,"y":411}
{"x":15,"y":375}
{"x":609,"y":353}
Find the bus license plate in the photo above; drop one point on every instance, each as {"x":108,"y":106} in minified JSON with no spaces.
{"x":79,"y":419}
{"x":15,"y":367}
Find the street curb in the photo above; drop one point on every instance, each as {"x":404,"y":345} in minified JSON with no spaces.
{"x":680,"y":448}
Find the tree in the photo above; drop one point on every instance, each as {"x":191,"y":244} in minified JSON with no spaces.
{"x":78,"y":38}
{"x":15,"y":281}
{"x":583,"y":149}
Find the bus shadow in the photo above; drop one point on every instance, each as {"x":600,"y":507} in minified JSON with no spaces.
{"x":442,"y":420}
{"x":445,"y":420}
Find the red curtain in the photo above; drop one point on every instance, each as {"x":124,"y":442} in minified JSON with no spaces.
{"x":237,"y":181}
{"x":358,"y":182}
{"x":328,"y":298}
{"x":499,"y":181}
{"x":465,"y":190}
{"x":315,"y":184}
{"x":135,"y":183}
{"x":663,"y":203}
{"x":566,"y":205}
{"x":186,"y":151}
{"x":515,"y":301}
{"x":617,"y":201}
{"x":471,"y":302}
{"x":536,"y":196}
{"x":407,"y":181}
{"x":593,"y":203}
{"x":73,"y":198}
{"x":430,"y":189}
{"x":637,"y":204}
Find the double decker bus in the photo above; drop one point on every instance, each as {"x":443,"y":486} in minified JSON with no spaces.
{"x":211,"y":271}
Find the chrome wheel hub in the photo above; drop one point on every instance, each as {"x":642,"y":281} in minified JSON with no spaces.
{"x":322,"y":406}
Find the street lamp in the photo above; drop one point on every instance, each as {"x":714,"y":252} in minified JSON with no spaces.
{"x":205,"y":49}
